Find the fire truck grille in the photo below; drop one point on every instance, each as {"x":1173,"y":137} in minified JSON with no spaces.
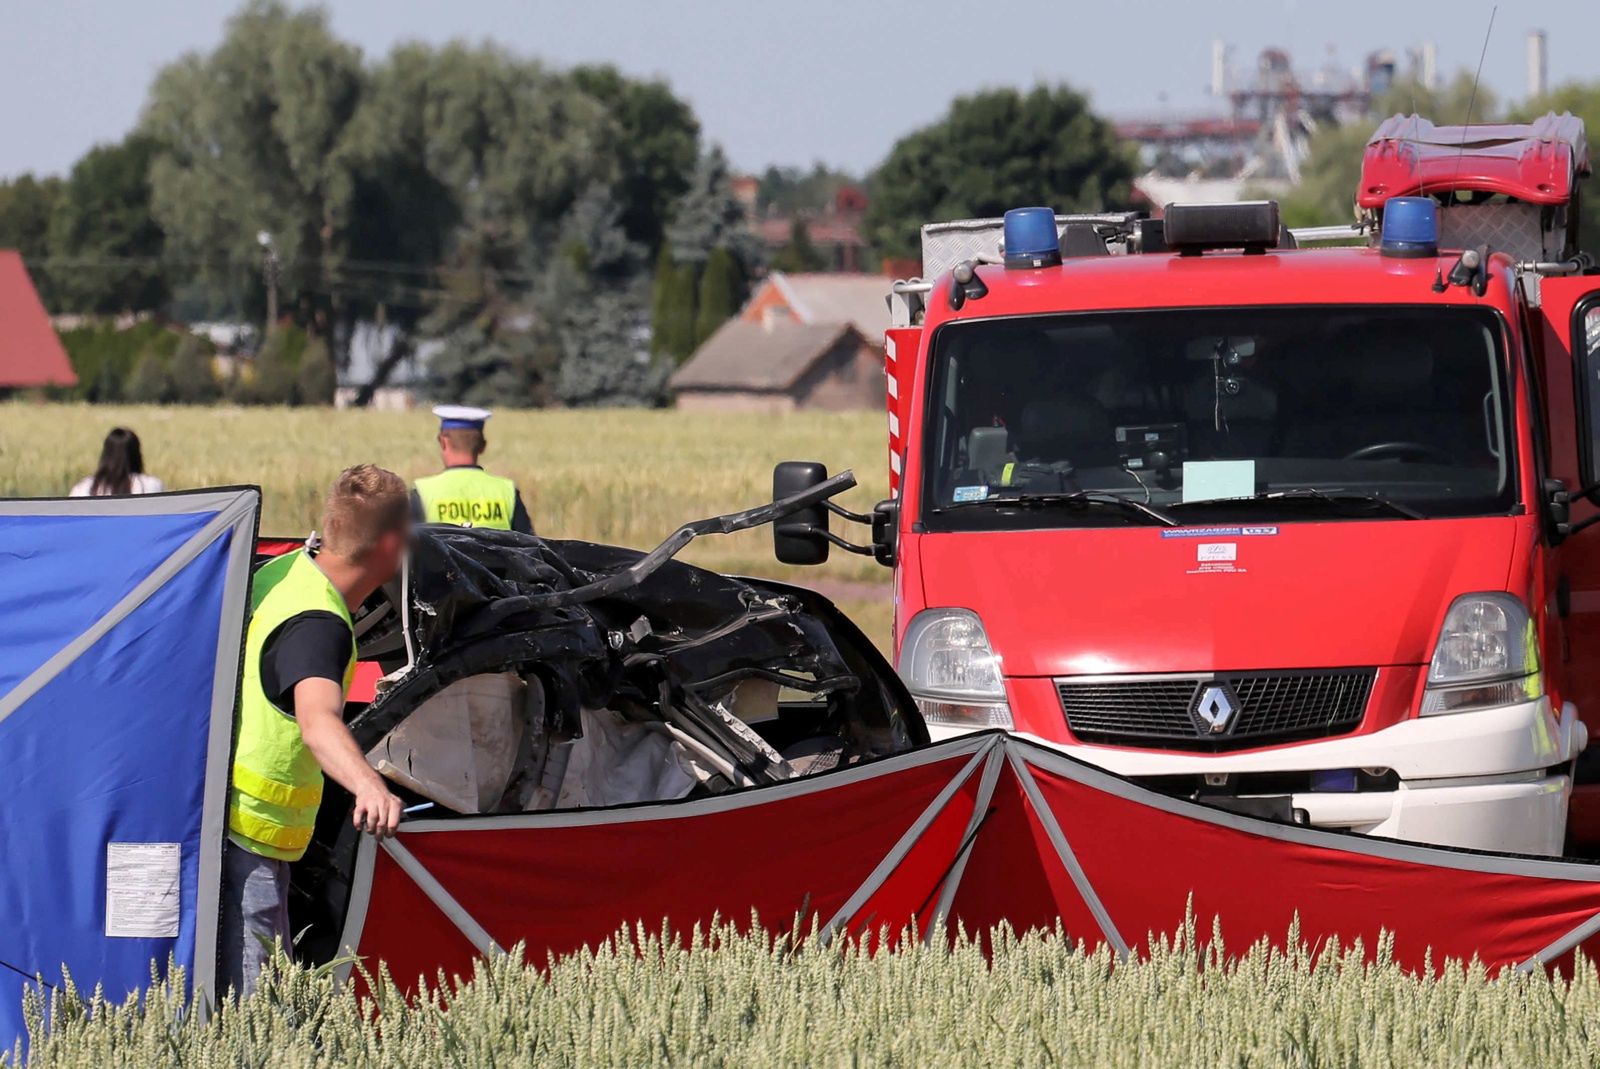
{"x":1228,"y":711}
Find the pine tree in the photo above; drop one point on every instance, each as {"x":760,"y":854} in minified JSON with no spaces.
{"x":718,"y":301}
{"x":479,"y":364}
{"x":316,"y":380}
{"x":677,"y":330}
{"x":660,"y":299}
{"x":591,"y":304}
{"x":709,"y":217}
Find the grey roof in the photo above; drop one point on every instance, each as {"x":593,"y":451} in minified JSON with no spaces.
{"x":861,"y":300}
{"x":752,"y":356}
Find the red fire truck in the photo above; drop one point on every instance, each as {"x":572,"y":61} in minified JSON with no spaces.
{"x":1297,"y":530}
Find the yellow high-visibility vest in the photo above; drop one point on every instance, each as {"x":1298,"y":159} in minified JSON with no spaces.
{"x":277,"y":783}
{"x":468,"y":496}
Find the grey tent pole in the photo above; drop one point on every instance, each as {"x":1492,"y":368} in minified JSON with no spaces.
{"x":219,"y":770}
{"x":40,"y":677}
{"x":1069,"y":860}
{"x":429,"y":885}
{"x":980,"y":810}
{"x":355,"y":916}
{"x":897,"y":853}
{"x":1562,"y":945}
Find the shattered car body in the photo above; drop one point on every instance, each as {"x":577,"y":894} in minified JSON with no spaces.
{"x":526,"y":675}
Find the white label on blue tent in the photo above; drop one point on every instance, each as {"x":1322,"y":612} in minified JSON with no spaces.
{"x":969,"y":493}
{"x":142,"y":890}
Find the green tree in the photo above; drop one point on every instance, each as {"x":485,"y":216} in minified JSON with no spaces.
{"x":720,"y":285}
{"x":996,"y":150}
{"x":1332,"y":169}
{"x":800,"y":254}
{"x":251,"y":138}
{"x":194,"y":382}
{"x":657,"y":145}
{"x":26,"y":204}
{"x":1581,"y":99}
{"x":103,"y":238}
{"x":791,"y":190}
{"x":316,"y":379}
{"x":151,"y":381}
{"x":509,"y":146}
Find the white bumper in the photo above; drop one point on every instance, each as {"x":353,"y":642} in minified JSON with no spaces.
{"x":1488,"y":780}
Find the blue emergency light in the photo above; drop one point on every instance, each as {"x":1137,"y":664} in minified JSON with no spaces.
{"x":1031,"y":238}
{"x":1410,"y":227}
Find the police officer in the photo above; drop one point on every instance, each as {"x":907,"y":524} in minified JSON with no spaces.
{"x":289,"y":729}
{"x":465,"y":494}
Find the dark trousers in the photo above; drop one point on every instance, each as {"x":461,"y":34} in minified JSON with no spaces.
{"x":255,"y":914}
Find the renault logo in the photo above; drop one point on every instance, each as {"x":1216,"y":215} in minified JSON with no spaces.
{"x":1215,"y":707}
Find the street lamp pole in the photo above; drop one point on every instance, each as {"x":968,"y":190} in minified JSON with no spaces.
{"x":269,"y":275}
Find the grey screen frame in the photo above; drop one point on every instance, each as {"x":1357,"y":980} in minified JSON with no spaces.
{"x":237,"y":512}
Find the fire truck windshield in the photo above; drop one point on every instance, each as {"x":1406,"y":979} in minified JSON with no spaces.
{"x":1332,"y":412}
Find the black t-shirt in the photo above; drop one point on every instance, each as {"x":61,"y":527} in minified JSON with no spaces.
{"x":311,"y":645}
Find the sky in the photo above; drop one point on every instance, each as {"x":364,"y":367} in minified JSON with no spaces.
{"x":830,"y":80}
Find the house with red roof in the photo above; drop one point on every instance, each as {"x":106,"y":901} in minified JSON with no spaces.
{"x":31,"y":354}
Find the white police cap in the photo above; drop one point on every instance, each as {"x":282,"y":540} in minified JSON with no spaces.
{"x":461,"y":417}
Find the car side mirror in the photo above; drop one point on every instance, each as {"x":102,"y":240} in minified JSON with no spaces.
{"x":801,"y":537}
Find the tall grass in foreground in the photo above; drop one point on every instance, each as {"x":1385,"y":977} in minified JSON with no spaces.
{"x":748,"y":1000}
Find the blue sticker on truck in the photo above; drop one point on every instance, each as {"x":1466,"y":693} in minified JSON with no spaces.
{"x":1209,"y":532}
{"x":969,"y":493}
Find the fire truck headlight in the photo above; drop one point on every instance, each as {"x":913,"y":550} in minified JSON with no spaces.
{"x":953,"y":672}
{"x":1487,"y":655}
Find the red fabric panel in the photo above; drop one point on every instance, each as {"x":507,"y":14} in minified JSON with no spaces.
{"x":414,"y":938}
{"x":30,"y":352}
{"x":1144,"y":864}
{"x":560,"y":888}
{"x":364,"y":684}
{"x":1014,"y":877}
{"x":277,"y":547}
{"x":912,"y":890}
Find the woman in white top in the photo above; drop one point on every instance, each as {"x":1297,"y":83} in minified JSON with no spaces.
{"x":121,"y":469}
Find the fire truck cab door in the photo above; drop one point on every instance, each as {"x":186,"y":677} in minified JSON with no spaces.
{"x":1566,"y":326}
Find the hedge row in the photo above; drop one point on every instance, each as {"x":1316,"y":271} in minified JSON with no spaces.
{"x":151,"y":363}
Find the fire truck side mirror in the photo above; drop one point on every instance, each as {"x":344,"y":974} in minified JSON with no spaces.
{"x":885,"y":528}
{"x":801,"y":537}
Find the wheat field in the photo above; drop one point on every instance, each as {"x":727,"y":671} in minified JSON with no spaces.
{"x":738,"y":1000}
{"x":623,"y":476}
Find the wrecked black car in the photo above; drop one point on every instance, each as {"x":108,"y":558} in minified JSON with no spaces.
{"x":524,"y":674}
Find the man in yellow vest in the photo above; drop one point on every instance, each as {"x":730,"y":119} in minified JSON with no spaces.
{"x":463,"y":493}
{"x":300,"y":655}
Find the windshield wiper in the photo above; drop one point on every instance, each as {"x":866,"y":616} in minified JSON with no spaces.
{"x":1338,"y":498}
{"x":1069,"y":498}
